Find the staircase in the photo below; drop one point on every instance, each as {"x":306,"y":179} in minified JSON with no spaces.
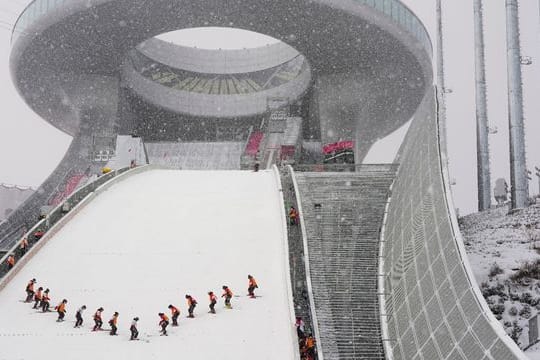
{"x":343,"y":213}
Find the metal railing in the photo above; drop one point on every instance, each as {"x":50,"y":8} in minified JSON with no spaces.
{"x":365,"y":168}
{"x":287,"y":261}
{"x":43,"y":225}
{"x":309,"y":286}
{"x":405,"y":17}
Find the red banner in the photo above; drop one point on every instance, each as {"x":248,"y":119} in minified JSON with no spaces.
{"x":338,"y":146}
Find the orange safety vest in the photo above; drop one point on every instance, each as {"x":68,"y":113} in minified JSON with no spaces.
{"x":37,"y":296}
{"x":30,"y":286}
{"x":24,"y":243}
{"x":164,"y":317}
{"x":227,"y":292}
{"x":174,"y":310}
{"x":11,"y":260}
{"x":212,"y":297}
{"x":61,"y":307}
{"x":252,"y":282}
{"x":310,"y":342}
{"x":191,"y":301}
{"x":46,"y":297}
{"x":114,"y":319}
{"x":97,"y":315}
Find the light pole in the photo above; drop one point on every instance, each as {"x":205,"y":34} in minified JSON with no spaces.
{"x":482,"y":129}
{"x":518,"y":168}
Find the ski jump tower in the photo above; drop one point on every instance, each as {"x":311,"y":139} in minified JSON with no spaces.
{"x":371,"y":71}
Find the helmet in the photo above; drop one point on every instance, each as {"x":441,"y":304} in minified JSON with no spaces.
{"x":224,"y":287}
{"x":210,"y":292}
{"x":249,"y":276}
{"x":33,"y":280}
{"x":170,"y":306}
{"x":116,"y":313}
{"x":100,"y":309}
{"x":83,"y":307}
{"x":40,"y":288}
{"x":136,"y":318}
{"x":187,"y":296}
{"x":160,"y":314}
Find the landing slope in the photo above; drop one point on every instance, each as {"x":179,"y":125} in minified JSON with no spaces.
{"x":144,"y":244}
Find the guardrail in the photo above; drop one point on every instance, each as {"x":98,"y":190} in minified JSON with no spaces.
{"x":313,"y":314}
{"x":404,"y":16}
{"x":34,"y":235}
{"x":376,"y":168}
{"x":287,"y":280}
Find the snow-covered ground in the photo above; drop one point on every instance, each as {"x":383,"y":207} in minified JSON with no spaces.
{"x":142,"y":245}
{"x":498,"y":245}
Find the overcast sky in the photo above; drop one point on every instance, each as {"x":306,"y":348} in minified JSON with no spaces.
{"x":30,"y":148}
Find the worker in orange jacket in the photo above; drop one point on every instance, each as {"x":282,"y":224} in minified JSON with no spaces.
{"x":30,"y":290}
{"x":309,"y":347}
{"x":227,"y":294}
{"x":113,"y":322}
{"x":293,"y":216}
{"x":61,"y":310}
{"x":163,"y":322}
{"x":98,"y":320}
{"x":191,"y":305}
{"x":10,"y":261}
{"x":213,"y":301}
{"x":37,"y":297}
{"x":24,"y":246}
{"x":252,"y":285}
{"x":175,"y":313}
{"x":45,"y":301}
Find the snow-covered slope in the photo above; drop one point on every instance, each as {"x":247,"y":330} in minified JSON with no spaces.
{"x":142,"y":245}
{"x":498,"y":245}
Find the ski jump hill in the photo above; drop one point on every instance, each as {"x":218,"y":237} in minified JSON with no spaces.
{"x":143,"y":244}
{"x":377,"y":264}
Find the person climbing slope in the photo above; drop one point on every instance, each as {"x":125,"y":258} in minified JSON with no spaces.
{"x":227,"y":294}
{"x":37,"y":298}
{"x":45,"y":301}
{"x":30,"y":290}
{"x":213,"y":301}
{"x":133,"y":329}
{"x":192,"y":303}
{"x":61,"y":310}
{"x":163,"y":322}
{"x":175,"y":313}
{"x":78,"y":316}
{"x":113,"y":322}
{"x":252,"y":285}
{"x":98,"y":320}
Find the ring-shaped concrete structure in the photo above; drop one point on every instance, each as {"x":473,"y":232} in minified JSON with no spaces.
{"x":372,"y":72}
{"x":215,"y":84}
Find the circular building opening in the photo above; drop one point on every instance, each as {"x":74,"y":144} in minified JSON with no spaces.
{"x":213,"y":38}
{"x":211,"y":84}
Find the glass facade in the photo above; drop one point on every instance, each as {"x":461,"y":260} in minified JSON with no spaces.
{"x":402,"y":15}
{"x":34,"y":10}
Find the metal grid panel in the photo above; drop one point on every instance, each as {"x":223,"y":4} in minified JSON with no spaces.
{"x":418,"y":197}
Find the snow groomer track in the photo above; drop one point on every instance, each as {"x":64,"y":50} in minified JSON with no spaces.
{"x":142,"y":245}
